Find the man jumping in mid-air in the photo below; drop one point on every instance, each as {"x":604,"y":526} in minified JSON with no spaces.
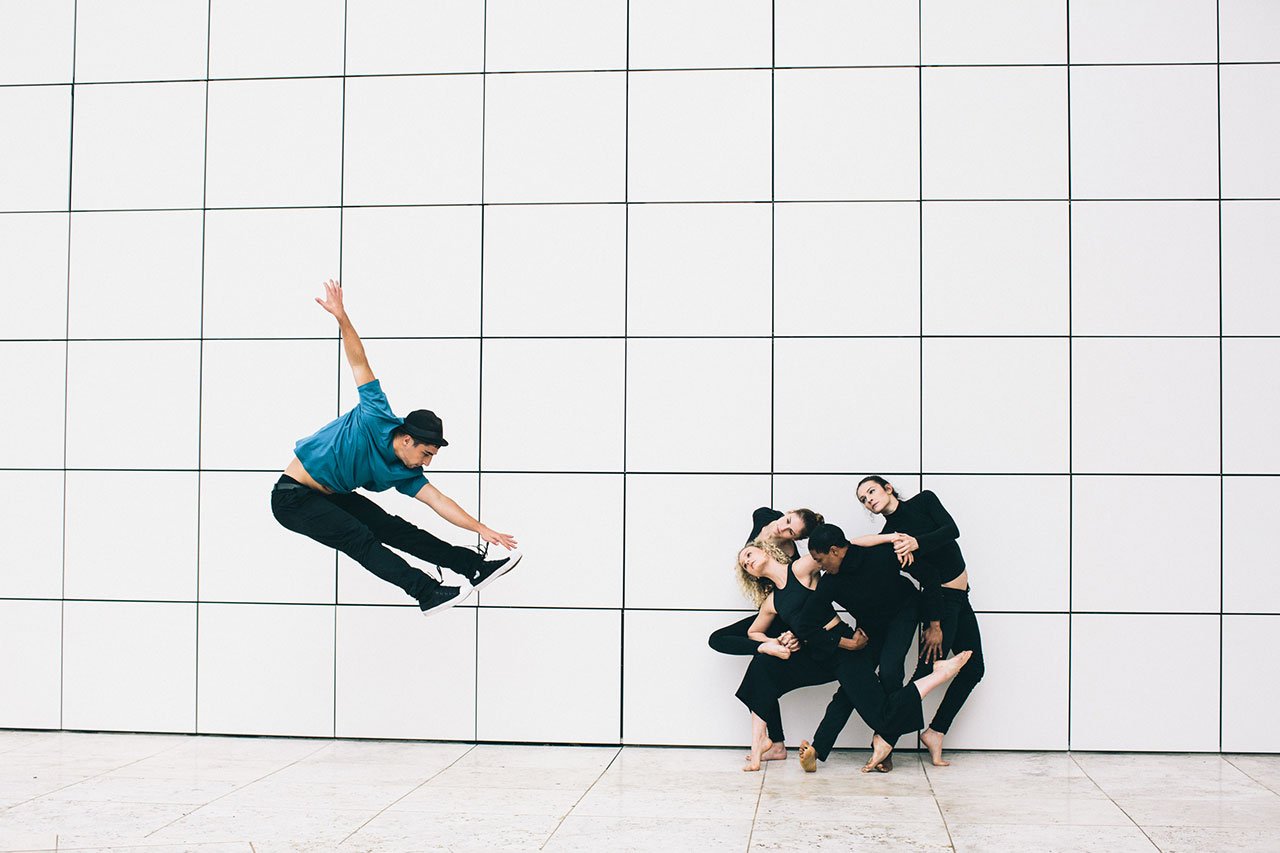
{"x":371,"y":448}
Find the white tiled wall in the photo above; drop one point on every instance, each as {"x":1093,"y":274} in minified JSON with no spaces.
{"x":656,"y":264}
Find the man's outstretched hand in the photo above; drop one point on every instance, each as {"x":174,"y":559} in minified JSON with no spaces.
{"x":332,"y":301}
{"x":493,"y":537}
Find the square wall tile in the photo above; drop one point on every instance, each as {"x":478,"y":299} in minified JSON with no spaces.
{"x":698,"y":405}
{"x":141,"y":40}
{"x":34,"y":246}
{"x":413,"y":140}
{"x":33,"y":164}
{"x":413,"y":37}
{"x":1250,"y":268}
{"x":1168,"y":571}
{"x":1144,"y":268}
{"x":1250,"y":130}
{"x":555,"y":35}
{"x":133,"y":404}
{"x":1249,"y":31}
{"x":274,"y":143}
{"x":276,"y":38}
{"x":847,"y":32}
{"x":556,"y":703}
{"x":555,"y":137}
{"x":1007,"y":576}
{"x":822,"y":147}
{"x":668,"y":657}
{"x":358,"y":585}
{"x":1246,"y":698}
{"x":123,"y":260}
{"x":994,"y":268}
{"x":573,"y":391}
{"x":129,"y":666}
{"x":820,"y":421}
{"x":699,"y":136}
{"x":1250,"y":406}
{"x":709,"y":516}
{"x":994,"y":133}
{"x":995,"y":405}
{"x":139,"y":145}
{"x":376,"y":700}
{"x":1144,"y":132}
{"x":996,"y":32}
{"x":105,"y":557}
{"x":1143,"y":31}
{"x":532,"y":507}
{"x":32,"y":532}
{"x":240,"y":539}
{"x":835,"y":497}
{"x":555,"y":269}
{"x":37,"y":42}
{"x":442,"y":376}
{"x":847,"y":269}
{"x":1144,"y":406}
{"x":1248,"y":506}
{"x":32,"y":417}
{"x":258,"y":398}
{"x":274,"y":260}
{"x":426,"y":259}
{"x":32,"y":671}
{"x":703,"y":34}
{"x":699,"y":269}
{"x":1002,"y":713}
{"x":288,"y":691}
{"x":1110,"y":710}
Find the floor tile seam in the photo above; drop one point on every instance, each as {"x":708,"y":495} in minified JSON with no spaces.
{"x":1249,"y":776}
{"x":755,"y":815}
{"x":238,"y":788}
{"x":578,"y":801}
{"x":934,"y":795}
{"x":1122,"y":809}
{"x":416,"y":788}
{"x":90,"y":778}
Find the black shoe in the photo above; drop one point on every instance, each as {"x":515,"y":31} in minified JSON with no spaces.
{"x":491,"y":570}
{"x":442,"y":598}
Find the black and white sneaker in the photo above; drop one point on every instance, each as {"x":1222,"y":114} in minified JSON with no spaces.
{"x":442,"y":598}
{"x":491,"y":570}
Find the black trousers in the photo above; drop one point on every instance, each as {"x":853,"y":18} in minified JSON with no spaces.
{"x":733,"y":639}
{"x":959,"y":633}
{"x":889,"y":649}
{"x":362,"y":530}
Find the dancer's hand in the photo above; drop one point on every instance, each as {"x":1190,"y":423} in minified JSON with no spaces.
{"x":857,"y":641}
{"x":789,"y":640}
{"x":904,"y":544}
{"x":332,"y":301}
{"x":905,"y":560}
{"x":931,"y":648}
{"x":493,"y":537}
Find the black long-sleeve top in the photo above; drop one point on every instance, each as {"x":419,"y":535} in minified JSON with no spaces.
{"x":761,"y":517}
{"x":870,"y":586}
{"x":938,"y":560}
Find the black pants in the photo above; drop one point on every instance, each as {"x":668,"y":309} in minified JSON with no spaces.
{"x":362,"y":530}
{"x":733,"y":639}
{"x":959,"y":633}
{"x":889,"y":649}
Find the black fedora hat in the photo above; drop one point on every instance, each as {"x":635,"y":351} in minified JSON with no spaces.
{"x":425,"y":427}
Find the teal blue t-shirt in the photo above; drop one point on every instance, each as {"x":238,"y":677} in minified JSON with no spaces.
{"x":354,"y":451}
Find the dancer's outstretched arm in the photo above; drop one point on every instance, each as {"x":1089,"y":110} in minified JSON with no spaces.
{"x":351,"y":343}
{"x":448,"y":509}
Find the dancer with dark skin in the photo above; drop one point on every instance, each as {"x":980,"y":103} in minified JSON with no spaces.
{"x":922,"y":526}
{"x":830,"y":650}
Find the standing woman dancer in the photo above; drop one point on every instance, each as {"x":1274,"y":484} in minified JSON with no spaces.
{"x":831,"y":650}
{"x":782,"y":529}
{"x":923,"y":525}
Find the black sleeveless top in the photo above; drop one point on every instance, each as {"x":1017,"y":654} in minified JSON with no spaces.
{"x":808,"y":614}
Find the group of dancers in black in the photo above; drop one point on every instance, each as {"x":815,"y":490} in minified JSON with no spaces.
{"x":797,"y":639}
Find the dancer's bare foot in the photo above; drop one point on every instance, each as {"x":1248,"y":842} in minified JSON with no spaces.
{"x":774,"y":648}
{"x":933,"y":740}
{"x":758,"y":750}
{"x":808,"y":757}
{"x":952,"y":665}
{"x":777,"y":752}
{"x":880,"y":750}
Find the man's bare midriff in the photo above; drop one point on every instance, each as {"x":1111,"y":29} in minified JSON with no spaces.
{"x":297,"y":472}
{"x":960,"y":581}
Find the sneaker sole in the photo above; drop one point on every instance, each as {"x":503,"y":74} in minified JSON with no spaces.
{"x":463,"y":594}
{"x":511,"y":564}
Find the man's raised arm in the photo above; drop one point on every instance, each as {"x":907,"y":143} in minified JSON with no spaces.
{"x":351,"y":344}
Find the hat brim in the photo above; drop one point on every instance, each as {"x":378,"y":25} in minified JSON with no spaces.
{"x":425,"y":437}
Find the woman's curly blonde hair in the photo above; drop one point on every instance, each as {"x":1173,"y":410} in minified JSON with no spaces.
{"x":758,"y":589}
